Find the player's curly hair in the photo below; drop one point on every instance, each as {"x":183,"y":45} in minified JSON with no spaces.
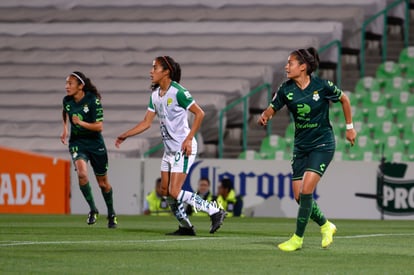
{"x":308,"y":56}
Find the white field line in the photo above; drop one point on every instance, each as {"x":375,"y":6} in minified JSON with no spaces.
{"x":22,"y":243}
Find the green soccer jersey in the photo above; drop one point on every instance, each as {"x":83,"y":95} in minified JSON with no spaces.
{"x":88,"y":109}
{"x":310,"y":110}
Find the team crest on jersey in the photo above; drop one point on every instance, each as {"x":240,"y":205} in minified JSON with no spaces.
{"x":169,"y":101}
{"x":315,"y":96}
{"x":85,"y":108}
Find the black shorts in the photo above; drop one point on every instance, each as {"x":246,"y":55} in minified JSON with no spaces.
{"x":93,"y":151}
{"x":316,"y":161}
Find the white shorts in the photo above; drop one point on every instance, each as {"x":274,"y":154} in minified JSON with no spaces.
{"x":177,"y":163}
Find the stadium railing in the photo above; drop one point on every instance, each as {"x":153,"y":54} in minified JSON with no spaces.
{"x":245,"y":102}
{"x":383,"y":13}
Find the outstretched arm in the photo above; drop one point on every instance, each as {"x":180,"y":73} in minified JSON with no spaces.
{"x":139,"y":128}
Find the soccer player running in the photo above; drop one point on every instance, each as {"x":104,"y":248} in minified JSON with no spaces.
{"x":170,"y":102}
{"x":83,"y":109}
{"x":307,"y":97}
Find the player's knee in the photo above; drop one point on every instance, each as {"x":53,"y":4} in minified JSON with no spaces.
{"x":83,"y":177}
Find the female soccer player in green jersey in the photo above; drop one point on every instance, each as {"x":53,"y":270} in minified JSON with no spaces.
{"x":170,"y":101}
{"x":307,"y":97}
{"x":83,"y":109}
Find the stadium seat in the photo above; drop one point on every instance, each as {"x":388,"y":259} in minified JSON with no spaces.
{"x":339,"y":129}
{"x":335,"y":112}
{"x":383,"y":129}
{"x":402,"y":99}
{"x":396,"y":84}
{"x":409,"y":76}
{"x":250,"y":155}
{"x":407,"y":128}
{"x":374,"y":98}
{"x":271,"y":144}
{"x":368,"y":155}
{"x":360,"y":114}
{"x":353,"y":155}
{"x":405,"y":114}
{"x":387,"y":70}
{"x":366,"y":143}
{"x":406,"y":57}
{"x":408,"y":157}
{"x":382,"y":113}
{"x":367,"y":83}
{"x":290,"y":130}
{"x":282,"y":155}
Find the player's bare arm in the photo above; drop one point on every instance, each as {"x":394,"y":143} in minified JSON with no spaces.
{"x":137,"y":129}
{"x":266,"y":116}
{"x":198,"y":119}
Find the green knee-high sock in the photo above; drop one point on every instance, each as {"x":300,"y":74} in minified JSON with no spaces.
{"x":87,"y":193}
{"x":109,"y":201}
{"x":317,"y":215}
{"x":305,"y":208}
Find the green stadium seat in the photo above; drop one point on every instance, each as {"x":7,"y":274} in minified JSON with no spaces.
{"x":250,"y":155}
{"x":374,"y":98}
{"x":339,"y":129}
{"x":271,"y":144}
{"x":382,"y":113}
{"x":367,"y":83}
{"x":368,"y":155}
{"x":406,"y":58}
{"x":407,"y":128}
{"x":384,"y":129}
{"x":366,"y":143}
{"x":397,"y":148}
{"x":333,"y":115}
{"x":405,"y":113}
{"x":409,"y":76}
{"x":402,"y":99}
{"x":360,"y":114}
{"x":396,"y":84}
{"x":409,"y":146}
{"x":282,"y":155}
{"x":353,"y":98}
{"x":353,"y":155}
{"x":290,"y":130}
{"x":387,"y":70}
{"x":408,"y":157}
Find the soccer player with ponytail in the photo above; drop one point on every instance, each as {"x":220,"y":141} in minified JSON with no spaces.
{"x":170,"y":101}
{"x":308,"y":97}
{"x":83,"y":110}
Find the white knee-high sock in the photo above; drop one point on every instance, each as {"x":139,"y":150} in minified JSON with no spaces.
{"x":197,"y":202}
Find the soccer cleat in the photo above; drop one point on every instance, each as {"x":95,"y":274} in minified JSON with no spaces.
{"x":292,"y":244}
{"x":327,"y":231}
{"x":92,"y":217}
{"x":217,"y":220}
{"x":112,"y":221}
{"x":183,"y":231}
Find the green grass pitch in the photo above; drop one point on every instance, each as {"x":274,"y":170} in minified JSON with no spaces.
{"x":53,"y":244}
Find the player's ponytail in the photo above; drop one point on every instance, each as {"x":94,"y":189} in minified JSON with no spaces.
{"x":313,"y":58}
